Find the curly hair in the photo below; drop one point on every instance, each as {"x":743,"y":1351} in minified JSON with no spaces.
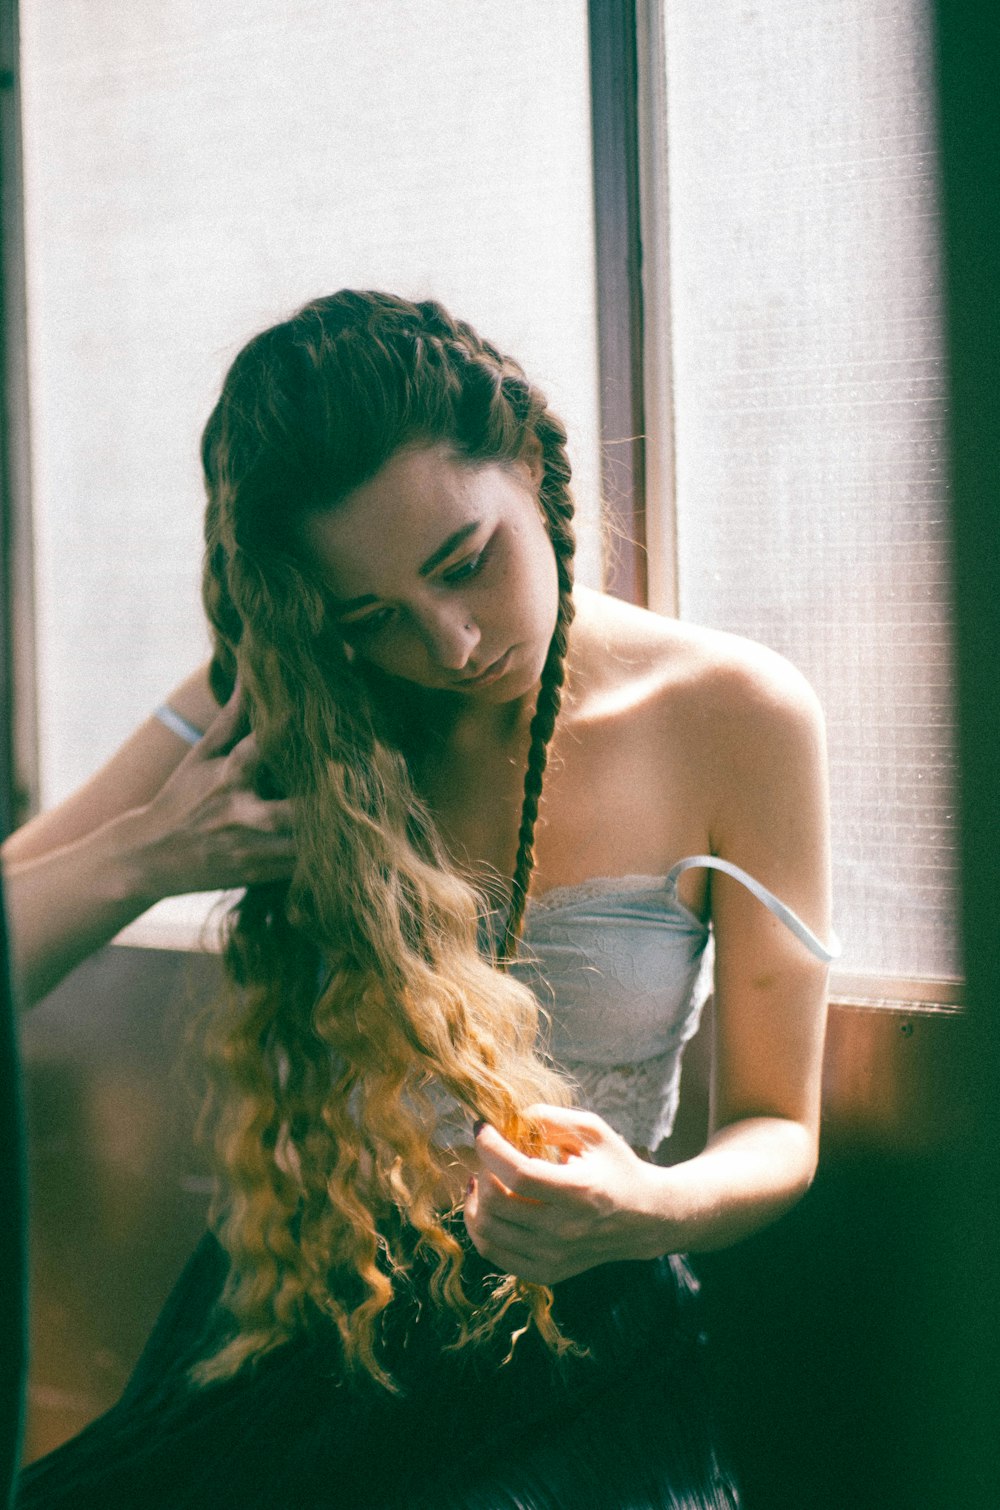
{"x":357,"y":990}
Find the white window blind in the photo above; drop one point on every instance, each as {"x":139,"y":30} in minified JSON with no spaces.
{"x":808,"y":388}
{"x":194,"y":171}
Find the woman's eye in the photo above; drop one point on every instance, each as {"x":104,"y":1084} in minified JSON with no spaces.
{"x":359,"y":629}
{"x":470,"y":567}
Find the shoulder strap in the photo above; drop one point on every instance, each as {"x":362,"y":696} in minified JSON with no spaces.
{"x":770,"y":901}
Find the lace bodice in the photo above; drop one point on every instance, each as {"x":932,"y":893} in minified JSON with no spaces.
{"x":623,"y":969}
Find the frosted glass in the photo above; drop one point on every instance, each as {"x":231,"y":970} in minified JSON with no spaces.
{"x":809,"y":409}
{"x":194,"y":171}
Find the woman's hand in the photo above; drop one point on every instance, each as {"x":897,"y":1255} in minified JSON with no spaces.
{"x":545,"y":1222}
{"x":207,"y":829}
{"x":76,"y":876}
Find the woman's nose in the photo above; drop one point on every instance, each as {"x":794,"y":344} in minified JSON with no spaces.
{"x":451,"y":636}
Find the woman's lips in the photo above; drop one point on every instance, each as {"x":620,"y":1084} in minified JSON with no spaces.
{"x":491,"y":673}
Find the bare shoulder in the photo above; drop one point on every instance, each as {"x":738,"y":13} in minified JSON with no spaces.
{"x":746,"y":689}
{"x":715,"y":685}
{"x":730,"y":728}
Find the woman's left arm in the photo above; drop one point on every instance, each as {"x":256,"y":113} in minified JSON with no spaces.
{"x":770,"y":817}
{"x":772,"y":820}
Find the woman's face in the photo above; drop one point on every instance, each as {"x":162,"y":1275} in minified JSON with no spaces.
{"x":443,"y":573}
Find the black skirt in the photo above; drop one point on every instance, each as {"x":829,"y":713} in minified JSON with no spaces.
{"x":627,"y":1427}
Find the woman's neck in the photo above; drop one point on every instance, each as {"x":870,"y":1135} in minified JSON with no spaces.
{"x":470,"y":728}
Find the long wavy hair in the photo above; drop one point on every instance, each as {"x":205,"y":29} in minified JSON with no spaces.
{"x":357,"y":991}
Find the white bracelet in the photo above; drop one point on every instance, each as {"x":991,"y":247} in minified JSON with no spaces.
{"x":178,"y":724}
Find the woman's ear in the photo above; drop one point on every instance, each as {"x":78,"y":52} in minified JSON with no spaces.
{"x":533,"y":460}
{"x":531,"y":467}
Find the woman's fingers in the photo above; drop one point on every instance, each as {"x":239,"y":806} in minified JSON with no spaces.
{"x":512,"y":1212}
{"x":535,"y":1253}
{"x":208,"y":825}
{"x":569,"y":1127}
{"x":227,"y":728}
{"x":277,"y":816}
{"x":499,"y":1241}
{"x":241,"y":807}
{"x":252,"y":838}
{"x":545,"y":1221}
{"x":243,"y":758}
{"x":531,"y":1179}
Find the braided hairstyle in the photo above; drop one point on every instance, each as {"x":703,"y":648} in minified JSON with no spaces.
{"x":321,"y":1097}
{"x":556,"y":501}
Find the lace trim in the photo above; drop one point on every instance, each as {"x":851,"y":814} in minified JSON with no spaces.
{"x":595,"y":886}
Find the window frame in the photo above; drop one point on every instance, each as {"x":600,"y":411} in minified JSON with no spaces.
{"x":622,"y":384}
{"x":19,"y":731}
{"x":13,"y":564}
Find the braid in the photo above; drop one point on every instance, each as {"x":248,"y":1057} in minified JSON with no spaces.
{"x":558,"y":511}
{"x":542,"y":726}
{"x":515,"y":402}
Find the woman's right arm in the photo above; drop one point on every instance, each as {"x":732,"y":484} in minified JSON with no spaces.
{"x":159,"y":819}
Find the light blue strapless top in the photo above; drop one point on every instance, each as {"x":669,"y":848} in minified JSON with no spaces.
{"x":623,"y":969}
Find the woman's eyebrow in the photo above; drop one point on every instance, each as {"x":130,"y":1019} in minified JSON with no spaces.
{"x":452,"y":543}
{"x":441,"y":554}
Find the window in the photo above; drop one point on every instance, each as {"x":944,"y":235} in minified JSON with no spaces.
{"x":194,"y":172}
{"x":781,"y":404}
{"x":794,"y":417}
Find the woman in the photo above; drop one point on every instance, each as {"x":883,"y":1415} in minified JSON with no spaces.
{"x":409,"y":1165}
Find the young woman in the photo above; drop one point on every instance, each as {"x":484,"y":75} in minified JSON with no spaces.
{"x":445,"y":1266}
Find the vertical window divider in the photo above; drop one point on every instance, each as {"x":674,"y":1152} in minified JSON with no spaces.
{"x":658,"y":390}
{"x":620,"y":317}
{"x":19,"y":733}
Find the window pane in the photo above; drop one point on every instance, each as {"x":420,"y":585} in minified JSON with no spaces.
{"x":194,"y":171}
{"x":809,"y":389}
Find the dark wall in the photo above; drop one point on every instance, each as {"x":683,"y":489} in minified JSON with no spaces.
{"x":811,"y":1323}
{"x":960,"y":1236}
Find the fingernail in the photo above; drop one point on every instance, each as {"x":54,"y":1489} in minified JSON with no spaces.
{"x":477,"y":1127}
